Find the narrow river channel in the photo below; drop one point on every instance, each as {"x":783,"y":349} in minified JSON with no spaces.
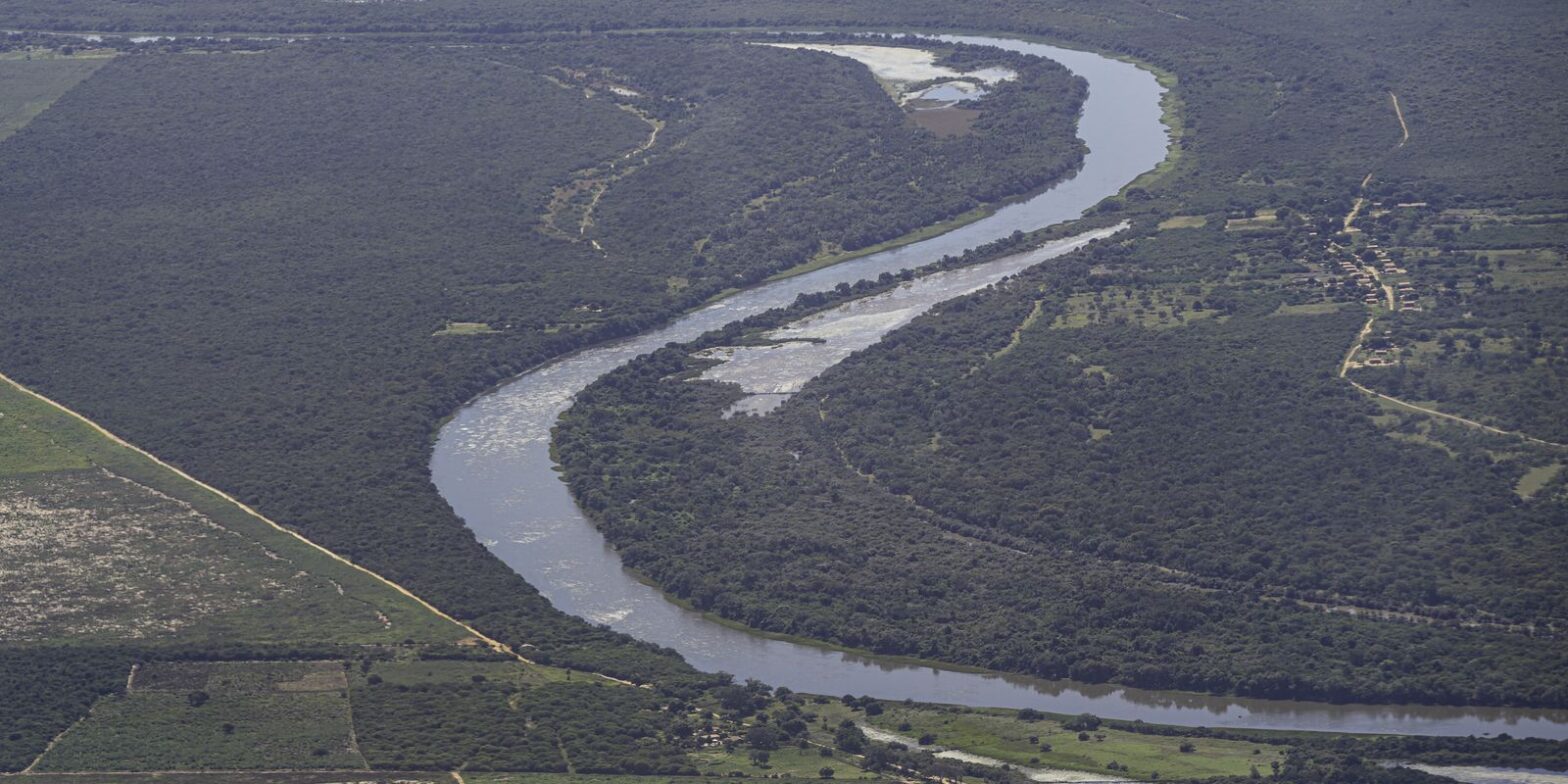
{"x":492,"y":464}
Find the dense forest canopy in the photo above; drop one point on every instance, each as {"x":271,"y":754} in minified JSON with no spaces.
{"x":907,"y":504}
{"x":296,"y":260}
{"x":1495,"y":112}
{"x":279,"y":264}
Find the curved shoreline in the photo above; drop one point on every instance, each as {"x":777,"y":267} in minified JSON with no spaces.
{"x":492,"y":464}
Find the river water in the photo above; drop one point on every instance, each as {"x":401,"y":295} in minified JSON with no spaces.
{"x":492,"y":464}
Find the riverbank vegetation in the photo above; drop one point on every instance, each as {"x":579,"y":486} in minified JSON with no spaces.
{"x":1142,"y":465}
{"x":241,"y":261}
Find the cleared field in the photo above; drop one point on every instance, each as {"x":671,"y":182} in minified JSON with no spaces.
{"x":1184,"y":222}
{"x":240,"y":677}
{"x":107,"y":556}
{"x":1261,"y":219}
{"x":464,"y":328}
{"x":224,"y":715}
{"x":168,"y":731}
{"x":417,"y":673}
{"x":98,"y":543}
{"x":948,"y":121}
{"x":89,"y":555}
{"x":27,"y":87}
{"x":1536,"y":479}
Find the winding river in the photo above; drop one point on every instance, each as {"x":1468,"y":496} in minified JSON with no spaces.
{"x":492,"y":464}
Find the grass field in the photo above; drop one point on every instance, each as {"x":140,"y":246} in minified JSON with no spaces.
{"x":791,"y":762}
{"x":1261,"y":219}
{"x":438,"y":671}
{"x":101,"y":543}
{"x":1309,"y":309}
{"x":224,"y":715}
{"x":27,"y":87}
{"x":999,"y":734}
{"x":1536,"y":479}
{"x":464,"y":328}
{"x":1528,"y":268}
{"x":25,"y":449}
{"x":280,"y":715}
{"x":1184,"y":222}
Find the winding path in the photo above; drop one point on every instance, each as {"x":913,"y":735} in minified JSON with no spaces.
{"x":1344,"y":366}
{"x":1398,"y":112}
{"x":1452,"y":417}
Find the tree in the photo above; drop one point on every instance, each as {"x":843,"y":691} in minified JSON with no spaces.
{"x":878,"y":758}
{"x":735,"y":698}
{"x":762,"y":738}
{"x":849,"y":737}
{"x":825,"y":772}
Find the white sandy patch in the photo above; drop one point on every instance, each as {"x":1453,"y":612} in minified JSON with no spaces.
{"x":1479,"y":775}
{"x":902,"y":64}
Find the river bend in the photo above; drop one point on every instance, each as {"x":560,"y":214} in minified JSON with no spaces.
{"x":492,"y":464}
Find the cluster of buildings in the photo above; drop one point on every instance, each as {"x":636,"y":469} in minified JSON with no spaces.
{"x":1406,"y":297}
{"x":1368,"y":277}
{"x":1381,"y":357}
